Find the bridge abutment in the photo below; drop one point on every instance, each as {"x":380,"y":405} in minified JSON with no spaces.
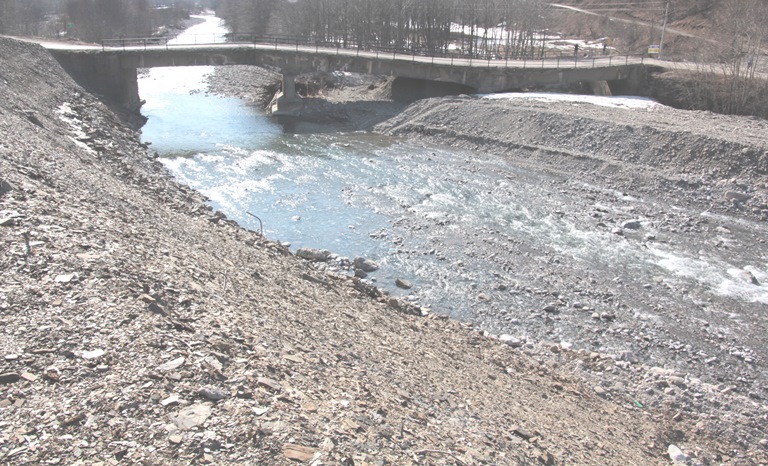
{"x":102,"y":74}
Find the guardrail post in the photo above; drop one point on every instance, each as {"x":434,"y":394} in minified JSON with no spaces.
{"x":593,"y":62}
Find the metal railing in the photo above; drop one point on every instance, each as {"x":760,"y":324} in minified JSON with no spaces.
{"x":496,"y":58}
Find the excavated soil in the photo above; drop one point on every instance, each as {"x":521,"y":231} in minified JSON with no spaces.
{"x":140,"y":327}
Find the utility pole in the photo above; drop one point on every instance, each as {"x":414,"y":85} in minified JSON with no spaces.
{"x":663,"y":27}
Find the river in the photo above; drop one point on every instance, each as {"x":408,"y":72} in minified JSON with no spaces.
{"x":512,"y":250}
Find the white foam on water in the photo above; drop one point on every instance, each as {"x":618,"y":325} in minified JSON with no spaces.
{"x":719,"y":277}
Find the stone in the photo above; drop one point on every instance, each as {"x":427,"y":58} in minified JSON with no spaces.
{"x":5,"y":187}
{"x":676,"y":454}
{"x":298,"y":452}
{"x":312,"y":254}
{"x":269,"y":383}
{"x":735,"y":196}
{"x":9,"y":377}
{"x":522,"y":433}
{"x":511,"y":341}
{"x":551,"y":308}
{"x":213,"y":393}
{"x":192,"y":416}
{"x":259,"y":410}
{"x":327,"y":445}
{"x":175,"y":439}
{"x":66,"y":278}
{"x":404,"y":284}
{"x":617,"y":231}
{"x":366,"y":265}
{"x":171,"y":365}
{"x":674,"y":380}
{"x":601,"y":392}
{"x":28,"y":376}
{"x":171,"y":400}
{"x":94,"y":354}
{"x":632,"y":225}
{"x":547,"y":459}
{"x":746,"y":276}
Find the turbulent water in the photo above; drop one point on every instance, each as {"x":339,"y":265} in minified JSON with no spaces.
{"x":477,"y":237}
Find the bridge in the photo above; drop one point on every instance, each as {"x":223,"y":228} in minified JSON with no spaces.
{"x":111,"y":70}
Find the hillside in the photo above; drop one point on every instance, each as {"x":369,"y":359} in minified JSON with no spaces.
{"x":140,"y":327}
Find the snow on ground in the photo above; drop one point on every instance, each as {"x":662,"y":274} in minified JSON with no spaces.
{"x":618,"y":102}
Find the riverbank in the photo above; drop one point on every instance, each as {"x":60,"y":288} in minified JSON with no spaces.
{"x":139,"y":326}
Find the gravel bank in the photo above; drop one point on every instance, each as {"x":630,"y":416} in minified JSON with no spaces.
{"x":697,"y":156}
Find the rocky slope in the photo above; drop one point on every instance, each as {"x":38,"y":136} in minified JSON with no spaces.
{"x":140,"y":327}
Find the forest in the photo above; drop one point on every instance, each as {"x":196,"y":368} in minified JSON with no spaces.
{"x":94,"y":20}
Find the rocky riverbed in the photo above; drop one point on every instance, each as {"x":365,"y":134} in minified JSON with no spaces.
{"x":138,"y":326}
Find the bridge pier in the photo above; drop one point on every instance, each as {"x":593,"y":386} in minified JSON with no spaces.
{"x":287,"y":102}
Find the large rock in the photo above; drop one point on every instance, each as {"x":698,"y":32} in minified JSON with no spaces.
{"x":632,"y":225}
{"x":511,"y":341}
{"x":312,"y":254}
{"x":366,"y":265}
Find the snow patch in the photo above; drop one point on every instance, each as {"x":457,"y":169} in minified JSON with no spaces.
{"x":631,"y":102}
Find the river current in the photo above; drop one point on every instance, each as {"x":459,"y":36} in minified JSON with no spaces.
{"x":477,"y":237}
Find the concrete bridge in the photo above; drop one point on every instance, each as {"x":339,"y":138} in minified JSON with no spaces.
{"x":112,"y":71}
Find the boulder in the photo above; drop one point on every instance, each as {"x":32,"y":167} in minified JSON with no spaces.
{"x":366,"y":265}
{"x":312,"y":254}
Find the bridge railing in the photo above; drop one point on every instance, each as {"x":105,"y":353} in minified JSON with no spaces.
{"x":134,"y":42}
{"x":499,"y":57}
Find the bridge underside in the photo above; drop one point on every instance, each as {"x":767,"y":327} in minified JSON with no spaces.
{"x":113,"y":73}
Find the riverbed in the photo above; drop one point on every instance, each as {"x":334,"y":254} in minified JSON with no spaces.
{"x":516,"y":251}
